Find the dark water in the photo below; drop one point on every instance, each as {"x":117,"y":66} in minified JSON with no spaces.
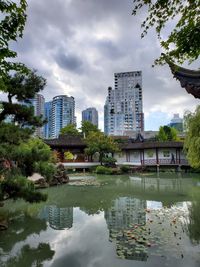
{"x":124,"y":221}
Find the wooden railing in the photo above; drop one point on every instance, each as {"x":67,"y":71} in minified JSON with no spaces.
{"x":164,"y":162}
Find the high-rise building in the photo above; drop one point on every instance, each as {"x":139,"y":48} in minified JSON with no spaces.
{"x":38,"y":104}
{"x":47,"y":115}
{"x":123,"y":110}
{"x":91,"y":115}
{"x":63,"y":113}
{"x":177,"y":123}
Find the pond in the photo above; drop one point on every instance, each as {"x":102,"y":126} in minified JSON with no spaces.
{"x":107,"y":221}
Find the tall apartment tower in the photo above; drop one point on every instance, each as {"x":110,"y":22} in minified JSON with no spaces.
{"x":91,"y":115}
{"x":39,"y":101}
{"x":47,"y":115}
{"x":38,"y":104}
{"x":62,"y":114}
{"x":123,"y":110}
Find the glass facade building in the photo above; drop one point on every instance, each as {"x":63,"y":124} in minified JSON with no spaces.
{"x":62,"y":113}
{"x":123,"y":110}
{"x":91,"y":115}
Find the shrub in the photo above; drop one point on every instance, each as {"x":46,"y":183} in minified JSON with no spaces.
{"x":103,"y":170}
{"x":46,"y":169}
{"x":20,"y":187}
{"x":124,"y":168}
{"x":109,"y":161}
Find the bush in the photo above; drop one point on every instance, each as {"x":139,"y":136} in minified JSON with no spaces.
{"x":46,"y":169}
{"x":103,"y":170}
{"x":109,"y":161}
{"x":124,"y":168}
{"x":20,"y":187}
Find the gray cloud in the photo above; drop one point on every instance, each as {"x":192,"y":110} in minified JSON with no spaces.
{"x":69,"y":62}
{"x":78,"y":45}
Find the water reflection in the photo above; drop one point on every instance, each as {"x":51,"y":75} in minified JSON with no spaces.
{"x":148,"y":221}
{"x":58,"y":218}
{"x":142,"y":229}
{"x":123,"y":215}
{"x":194,"y":217}
{"x":161,"y":185}
{"x":32,"y":256}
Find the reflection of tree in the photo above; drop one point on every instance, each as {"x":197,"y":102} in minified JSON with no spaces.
{"x":58,"y":218}
{"x":194,"y":218}
{"x":124,"y":214}
{"x":19,"y":229}
{"x":32,"y":256}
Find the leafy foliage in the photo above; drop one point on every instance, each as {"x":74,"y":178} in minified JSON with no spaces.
{"x":183,"y":43}
{"x":70,"y":129}
{"x":192,"y":140}
{"x":46,"y":169}
{"x":167,"y":133}
{"x":124,"y":168}
{"x":87,"y":127}
{"x":19,"y":187}
{"x":68,"y":155}
{"x":98,"y":142}
{"x":20,"y":83}
{"x":30,"y":154}
{"x":103,"y":170}
{"x":12,"y":24}
{"x":22,"y":87}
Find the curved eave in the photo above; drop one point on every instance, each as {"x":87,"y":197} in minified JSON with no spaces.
{"x":189,"y":79}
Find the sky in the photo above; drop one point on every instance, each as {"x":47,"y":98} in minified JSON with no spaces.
{"x":78,"y":46}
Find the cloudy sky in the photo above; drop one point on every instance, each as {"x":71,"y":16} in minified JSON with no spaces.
{"x":78,"y":45}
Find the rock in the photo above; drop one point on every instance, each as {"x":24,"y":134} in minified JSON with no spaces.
{"x":41,"y":183}
{"x":3,"y":225}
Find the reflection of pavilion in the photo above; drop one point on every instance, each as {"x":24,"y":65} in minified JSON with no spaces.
{"x":125,"y":214}
{"x":158,"y":184}
{"x":58,"y":218}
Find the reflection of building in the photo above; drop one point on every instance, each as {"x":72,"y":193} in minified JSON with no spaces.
{"x":91,"y":115}
{"x":58,"y":218}
{"x":123,"y":110}
{"x":162,"y":185}
{"x":126,"y":215}
{"x":125,"y":211}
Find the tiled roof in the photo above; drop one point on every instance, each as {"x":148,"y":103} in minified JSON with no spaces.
{"x":156,"y":144}
{"x":66,"y":140}
{"x":189,"y":79}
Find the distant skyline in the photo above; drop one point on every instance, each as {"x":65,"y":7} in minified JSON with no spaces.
{"x":79,"y":45}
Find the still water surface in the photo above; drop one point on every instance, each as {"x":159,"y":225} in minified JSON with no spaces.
{"x":120,"y":221}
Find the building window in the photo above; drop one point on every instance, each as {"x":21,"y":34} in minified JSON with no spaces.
{"x":166,"y":154}
{"x":150,"y":154}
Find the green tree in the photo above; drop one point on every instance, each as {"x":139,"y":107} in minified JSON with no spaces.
{"x":13,"y":18}
{"x":18,"y":82}
{"x":167,"y":133}
{"x":70,"y":129}
{"x":29,"y":154}
{"x":183,"y":43}
{"x":22,"y":87}
{"x":87,"y":127}
{"x":99,"y":142}
{"x":192,"y":139}
{"x":68,"y":155}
